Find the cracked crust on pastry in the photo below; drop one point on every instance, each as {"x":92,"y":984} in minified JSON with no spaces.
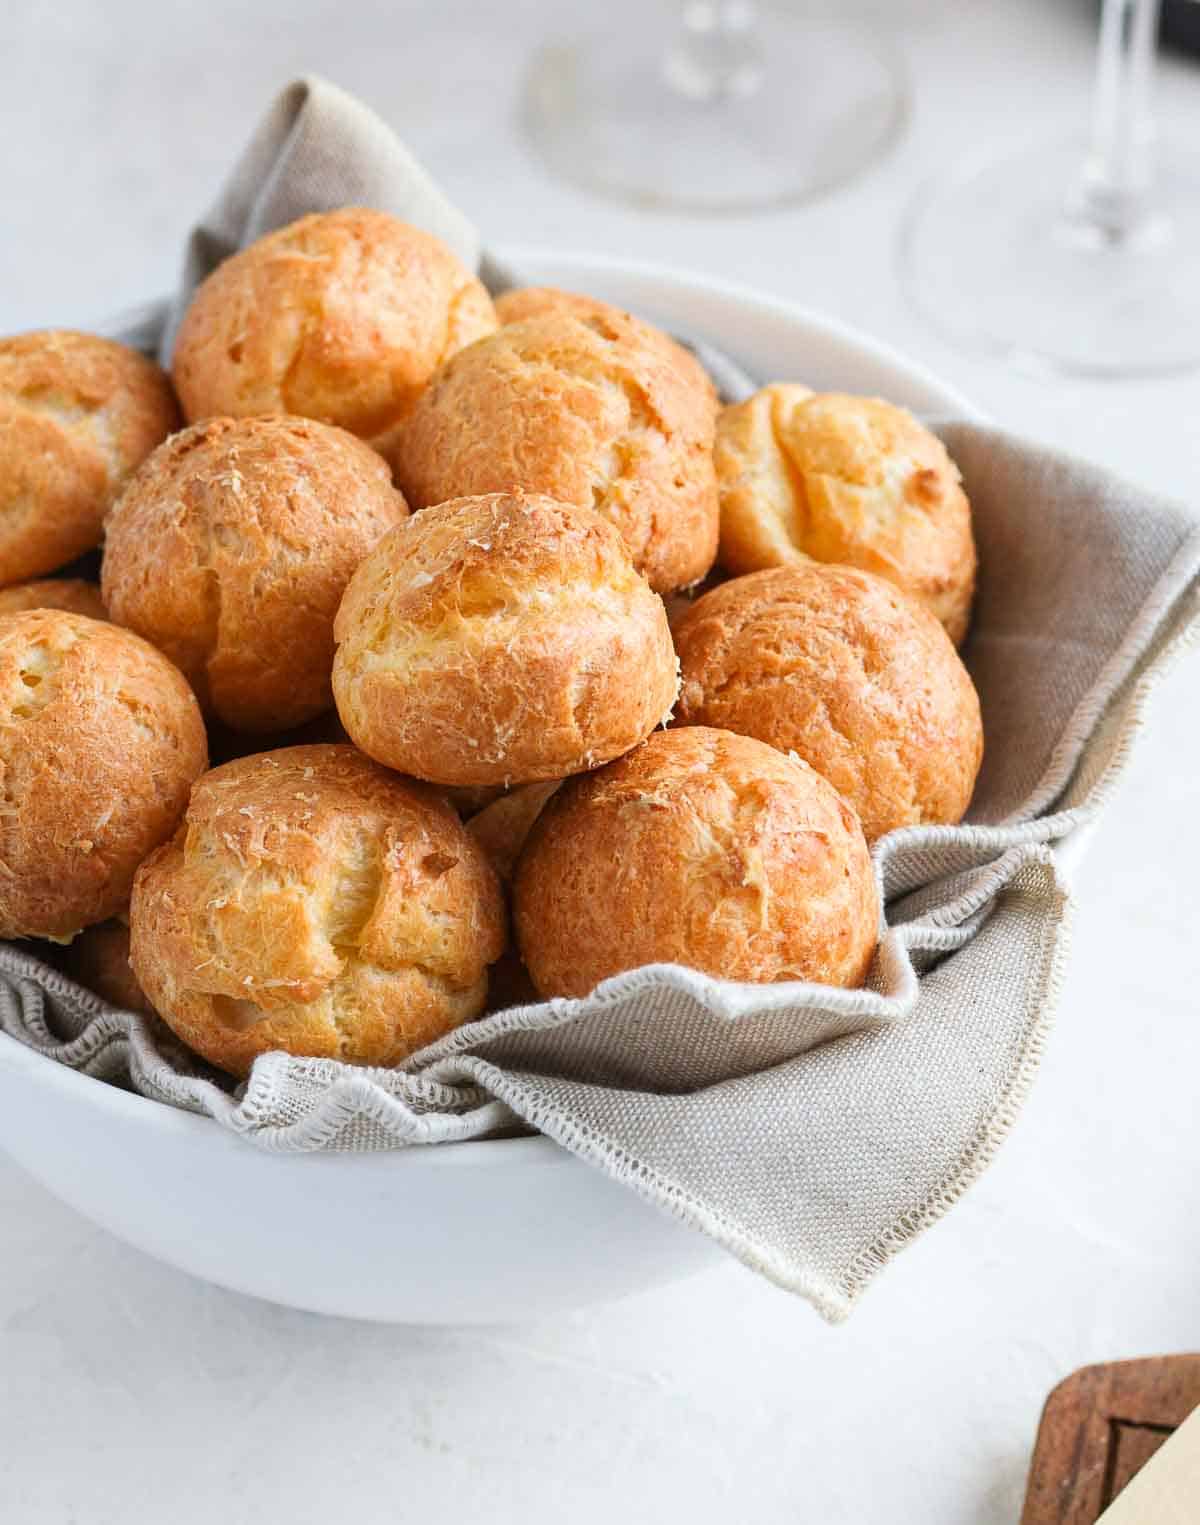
{"x":313,"y":902}
{"x":230,"y":550}
{"x":845,"y":479}
{"x":847,"y":672}
{"x":699,"y":848}
{"x":100,"y":741}
{"x":590,"y":410}
{"x":77,"y":415}
{"x":342,"y":316}
{"x":504,"y":639}
{"x":536,"y":301}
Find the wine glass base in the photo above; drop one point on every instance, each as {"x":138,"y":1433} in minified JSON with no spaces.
{"x":612,"y":113}
{"x":997,"y":258}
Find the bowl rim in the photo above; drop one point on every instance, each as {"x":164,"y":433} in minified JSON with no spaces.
{"x":132,"y":1106}
{"x":474,"y":1153}
{"x":682,"y":279}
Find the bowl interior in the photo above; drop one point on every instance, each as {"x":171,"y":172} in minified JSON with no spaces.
{"x":774,"y":341}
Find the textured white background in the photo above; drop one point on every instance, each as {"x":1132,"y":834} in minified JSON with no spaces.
{"x":129,"y":1393}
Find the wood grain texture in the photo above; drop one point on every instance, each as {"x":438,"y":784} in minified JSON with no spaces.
{"x":1099,"y":1428}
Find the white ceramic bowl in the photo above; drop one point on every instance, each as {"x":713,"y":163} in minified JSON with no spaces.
{"x":457,"y":1233}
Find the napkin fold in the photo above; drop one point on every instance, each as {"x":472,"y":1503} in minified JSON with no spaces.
{"x":812,"y":1132}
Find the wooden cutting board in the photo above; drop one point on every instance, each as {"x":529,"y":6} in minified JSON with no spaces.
{"x":1099,"y":1428}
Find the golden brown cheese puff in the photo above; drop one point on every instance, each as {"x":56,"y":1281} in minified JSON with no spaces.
{"x":699,"y":848}
{"x":501,"y":827}
{"x":845,"y":479}
{"x":70,"y":593}
{"x":77,"y":415}
{"x":342,"y":316}
{"x":100,"y":740}
{"x":503,"y":639}
{"x":847,"y":672}
{"x":98,"y":959}
{"x":313,"y":902}
{"x":537,"y":301}
{"x":231,"y":549}
{"x":593,"y":411}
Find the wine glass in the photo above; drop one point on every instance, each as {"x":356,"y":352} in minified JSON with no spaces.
{"x":709,"y":106}
{"x":1081,"y":258}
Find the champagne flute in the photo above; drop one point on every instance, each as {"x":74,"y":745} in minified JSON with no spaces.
{"x":1080,"y":259}
{"x":716,"y":107}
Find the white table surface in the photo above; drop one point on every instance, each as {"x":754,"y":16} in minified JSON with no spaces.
{"x":129,"y":1393}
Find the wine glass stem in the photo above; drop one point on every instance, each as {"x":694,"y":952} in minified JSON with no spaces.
{"x":716,"y":54}
{"x":1114,"y":191}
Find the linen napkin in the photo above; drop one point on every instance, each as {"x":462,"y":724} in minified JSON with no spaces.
{"x":812,"y":1132}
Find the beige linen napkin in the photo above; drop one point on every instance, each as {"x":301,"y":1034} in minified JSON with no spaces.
{"x":812,"y":1132}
